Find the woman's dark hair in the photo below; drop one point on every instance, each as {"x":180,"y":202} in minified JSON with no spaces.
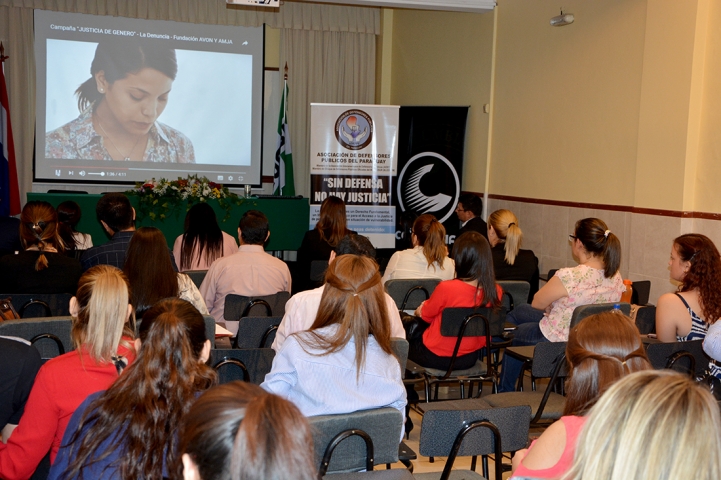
{"x":147,"y":402}
{"x":39,"y":226}
{"x":202,"y":234}
{"x":703,"y":274}
{"x":474,"y":262}
{"x":149,"y":269}
{"x":431,"y":235}
{"x":118,"y":57}
{"x":332,"y":222}
{"x":592,"y":232}
{"x":238,"y":430}
{"x":68,"y":218}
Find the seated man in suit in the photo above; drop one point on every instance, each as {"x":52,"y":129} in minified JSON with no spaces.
{"x":301,"y":309}
{"x":469,"y":211}
{"x":248,"y":272}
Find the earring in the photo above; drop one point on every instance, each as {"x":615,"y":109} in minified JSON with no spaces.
{"x":102,"y":90}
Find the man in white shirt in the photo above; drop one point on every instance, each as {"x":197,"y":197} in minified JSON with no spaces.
{"x":249,"y":272}
{"x":301,"y":309}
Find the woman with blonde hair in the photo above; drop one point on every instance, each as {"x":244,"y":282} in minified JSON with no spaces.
{"x":42,"y":267}
{"x":429,"y":256}
{"x":509,"y":261}
{"x":319,"y":242}
{"x":239,"y":431}
{"x":344,"y":362}
{"x":102,"y":332}
{"x":601,"y":349}
{"x":655,"y":425}
{"x":129,"y":431}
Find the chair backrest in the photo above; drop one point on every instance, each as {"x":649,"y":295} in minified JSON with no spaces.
{"x":453,"y":317}
{"x":440,"y":428}
{"x":641,"y":291}
{"x":59,"y":304}
{"x":546,"y":356}
{"x":515,"y":293}
{"x":551,"y":273}
{"x":400,"y":350}
{"x":254,"y":331}
{"x":659,"y":354}
{"x":197,"y":276}
{"x":28,"y":328}
{"x":646,"y":319}
{"x":583,"y":311}
{"x":382,"y":424}
{"x":258,"y":361}
{"x":397,"y":289}
{"x":210,"y":329}
{"x":235,"y":305}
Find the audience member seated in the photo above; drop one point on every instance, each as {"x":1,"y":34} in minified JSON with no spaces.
{"x":473,"y":286}
{"x":117,"y":217}
{"x":19,"y":364}
{"x":9,"y":235}
{"x":41,"y":268}
{"x":595,"y":279}
{"x":345,"y":362}
{"x":686,"y":315}
{"x":510,"y":262}
{"x":302,"y":308}
{"x":469,"y":211}
{"x":203,"y":241}
{"x":601,"y":349}
{"x":151,"y":275}
{"x":130,"y":430}
{"x":429,"y":256}
{"x":319,"y":242}
{"x":248,"y":272}
{"x":68,"y":217}
{"x":103,"y":336}
{"x":238,"y":430}
{"x":656,"y":424}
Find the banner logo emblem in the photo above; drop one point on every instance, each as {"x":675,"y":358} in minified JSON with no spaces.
{"x":428,"y":183}
{"x":354,"y":129}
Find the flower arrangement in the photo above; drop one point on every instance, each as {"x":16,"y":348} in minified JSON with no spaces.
{"x":158,"y":198}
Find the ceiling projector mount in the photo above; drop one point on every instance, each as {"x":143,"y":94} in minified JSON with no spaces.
{"x":562,"y":19}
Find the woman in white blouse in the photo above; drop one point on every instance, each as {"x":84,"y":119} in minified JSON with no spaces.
{"x":429,"y":256}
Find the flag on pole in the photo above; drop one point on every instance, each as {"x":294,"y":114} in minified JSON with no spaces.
{"x":283,"y":174}
{"x":9,"y":192}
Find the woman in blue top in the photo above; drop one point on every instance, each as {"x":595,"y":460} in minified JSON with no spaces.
{"x":129,"y":431}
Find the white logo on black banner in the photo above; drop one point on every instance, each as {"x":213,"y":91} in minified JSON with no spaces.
{"x":421,"y":193}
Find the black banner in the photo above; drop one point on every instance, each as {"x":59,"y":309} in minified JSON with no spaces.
{"x":430,"y":166}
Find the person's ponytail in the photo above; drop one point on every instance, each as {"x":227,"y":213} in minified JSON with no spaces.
{"x":611,"y":255}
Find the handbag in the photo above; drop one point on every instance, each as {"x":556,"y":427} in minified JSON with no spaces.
{"x":7,"y":311}
{"x":414,"y":327}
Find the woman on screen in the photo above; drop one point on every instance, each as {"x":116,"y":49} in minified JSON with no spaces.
{"x":120,"y":105}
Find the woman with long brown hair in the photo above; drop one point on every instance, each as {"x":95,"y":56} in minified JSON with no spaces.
{"x":510,"y":262}
{"x":129,"y":431}
{"x":150,"y":271}
{"x":42,"y":267}
{"x":344,"y":362}
{"x":429,"y":256}
{"x":202,"y":242}
{"x":601,"y":349}
{"x":319,"y":242}
{"x":68,"y":218}
{"x":102,"y":333}
{"x":239,"y":431}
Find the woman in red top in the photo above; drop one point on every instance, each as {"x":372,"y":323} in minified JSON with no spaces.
{"x":102,"y":333}
{"x":473,"y":286}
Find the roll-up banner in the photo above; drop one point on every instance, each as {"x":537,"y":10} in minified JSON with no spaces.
{"x":353,"y":155}
{"x":430,"y":166}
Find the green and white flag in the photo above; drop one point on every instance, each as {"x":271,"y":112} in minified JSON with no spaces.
{"x":283,"y":174}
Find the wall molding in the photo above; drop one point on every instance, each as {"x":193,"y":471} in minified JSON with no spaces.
{"x":601,"y":206}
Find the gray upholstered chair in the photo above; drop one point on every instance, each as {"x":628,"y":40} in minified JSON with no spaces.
{"x":641,"y":291}
{"x":549,"y":361}
{"x":256,"y":332}
{"x":382,"y":425}
{"x":29,"y":328}
{"x":515,"y":293}
{"x":409,"y":293}
{"x":400,"y":350}
{"x":395,"y":474}
{"x":197,"y":276}
{"x":646,"y":319}
{"x":256,"y":361}
{"x":34,"y":305}
{"x":661,"y":355}
{"x":583,"y":311}
{"x":456,"y":432}
{"x":238,"y":306}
